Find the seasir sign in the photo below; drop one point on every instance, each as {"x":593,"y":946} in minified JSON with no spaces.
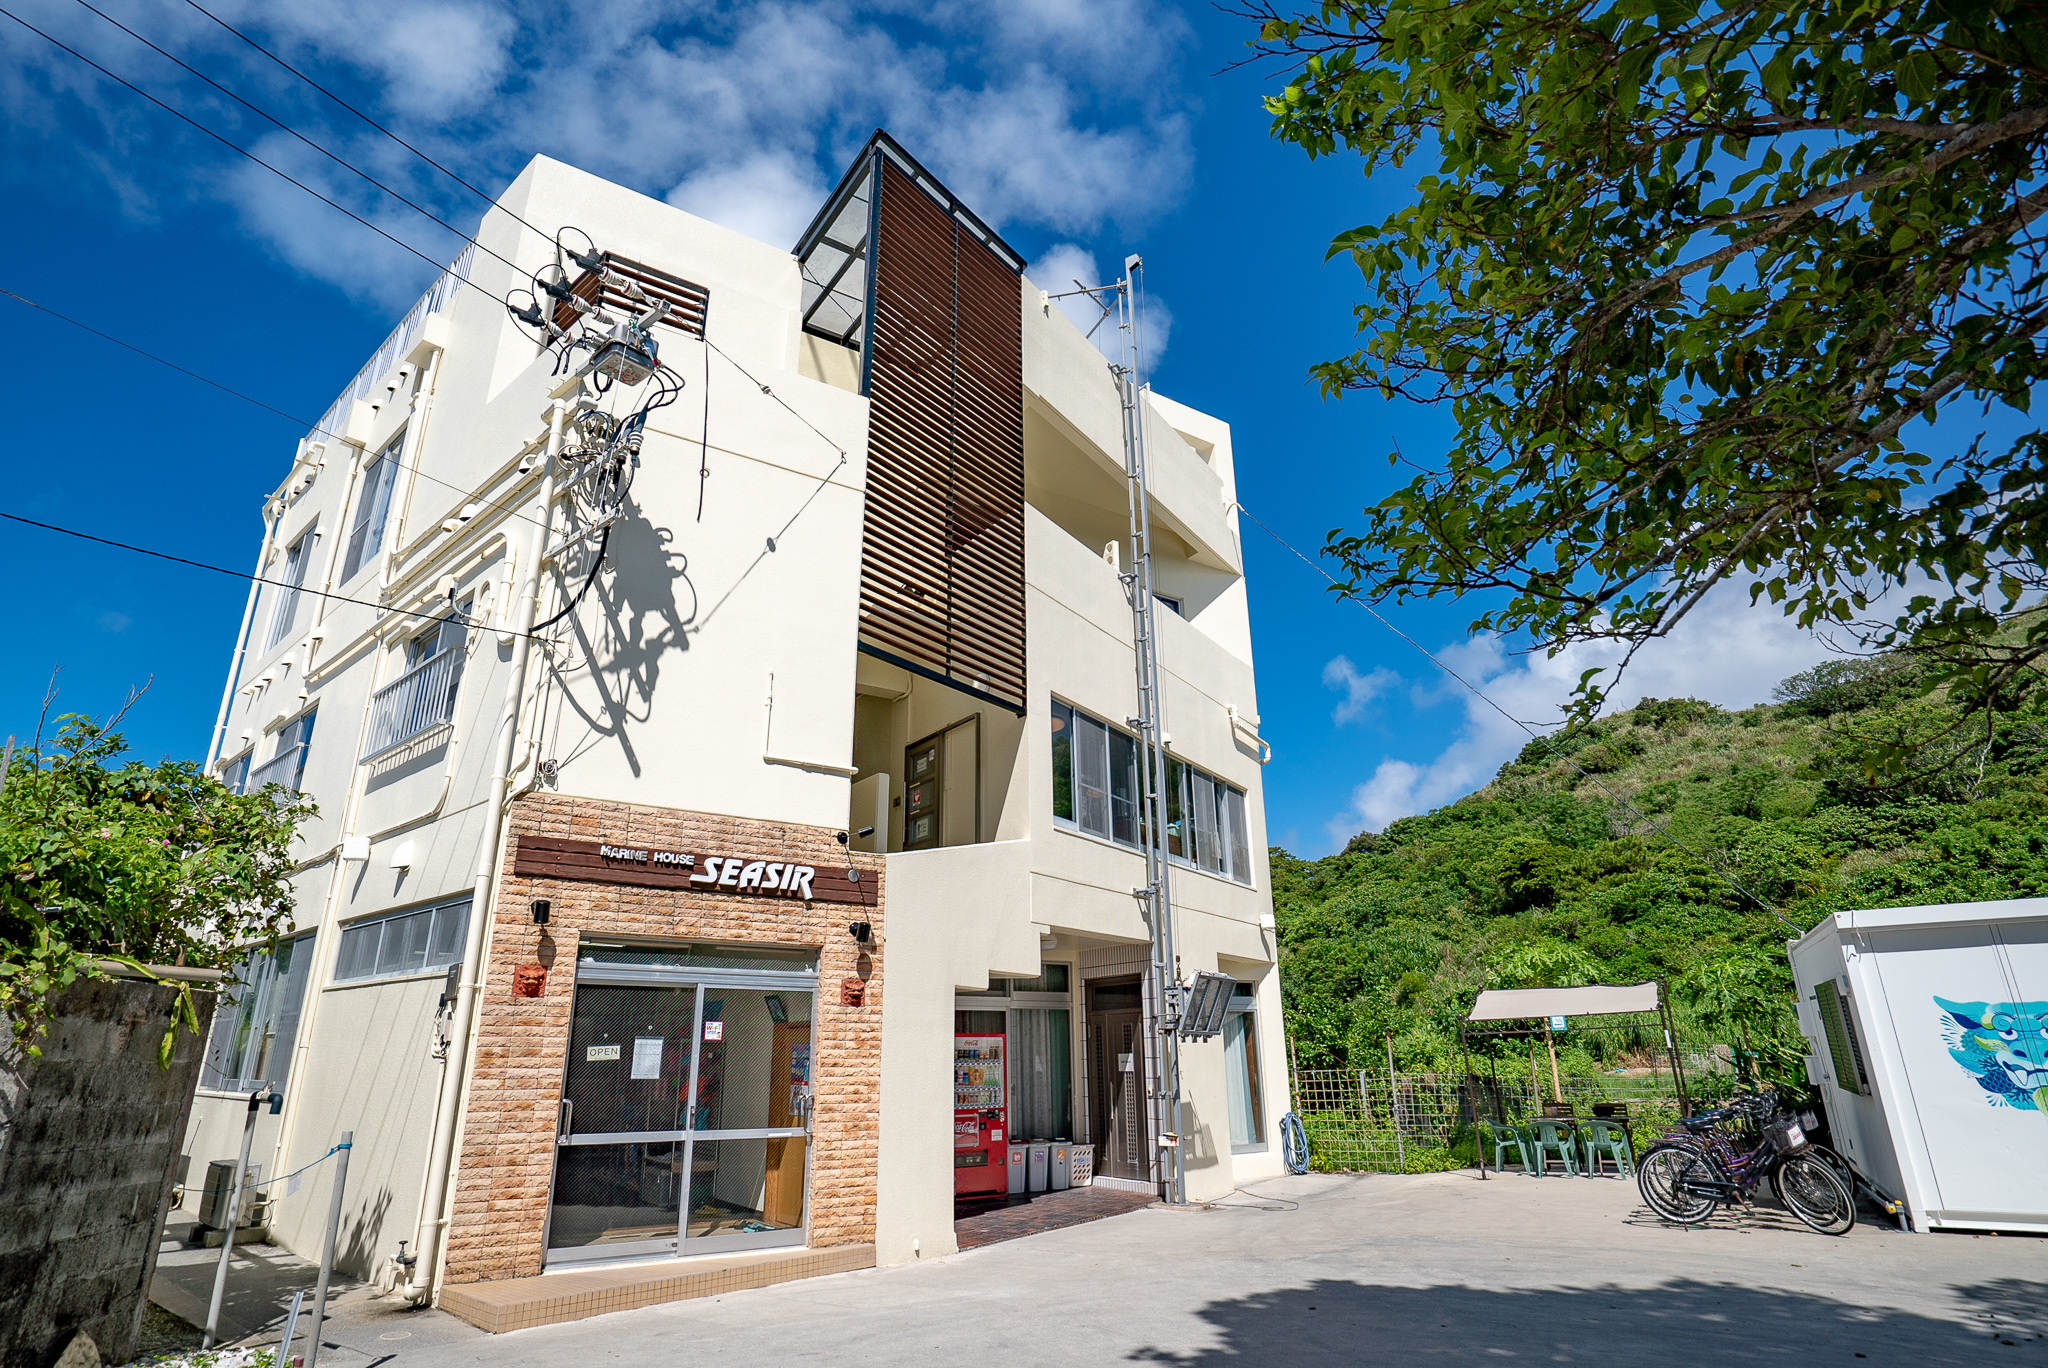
{"x":742,"y":874}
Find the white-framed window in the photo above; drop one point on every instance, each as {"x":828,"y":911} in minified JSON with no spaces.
{"x":423,"y":697}
{"x":291,"y":574}
{"x":1241,"y":1070}
{"x":287,"y":762}
{"x":1095,"y":788}
{"x":373,"y":508}
{"x":395,"y":944}
{"x":257,"y":1022}
{"x":235,"y":773}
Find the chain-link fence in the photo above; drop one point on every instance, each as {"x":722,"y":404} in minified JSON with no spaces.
{"x":1375,"y":1121}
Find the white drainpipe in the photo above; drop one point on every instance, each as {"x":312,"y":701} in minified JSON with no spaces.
{"x":419,"y":1288}
{"x":273,"y":515}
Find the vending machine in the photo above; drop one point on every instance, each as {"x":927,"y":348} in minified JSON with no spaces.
{"x":980,"y":1139}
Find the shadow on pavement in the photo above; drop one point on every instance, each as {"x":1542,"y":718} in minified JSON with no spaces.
{"x":1680,"y":1321}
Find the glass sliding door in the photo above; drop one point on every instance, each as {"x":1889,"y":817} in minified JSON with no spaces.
{"x":685,"y":1114}
{"x":621,"y":1140}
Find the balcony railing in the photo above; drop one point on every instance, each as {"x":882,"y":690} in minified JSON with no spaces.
{"x":282,"y":768}
{"x":416,"y":702}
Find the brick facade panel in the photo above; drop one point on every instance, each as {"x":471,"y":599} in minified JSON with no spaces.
{"x":508,"y":1146}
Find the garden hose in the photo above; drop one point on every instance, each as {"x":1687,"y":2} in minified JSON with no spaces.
{"x":1293,"y":1143}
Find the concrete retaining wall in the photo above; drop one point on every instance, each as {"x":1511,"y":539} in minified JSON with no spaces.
{"x":89,"y":1135}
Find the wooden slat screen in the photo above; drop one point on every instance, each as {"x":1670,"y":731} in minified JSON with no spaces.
{"x":688,"y":302}
{"x":942,"y":559}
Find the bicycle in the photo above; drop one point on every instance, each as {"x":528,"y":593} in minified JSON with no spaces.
{"x":1720,"y":1157}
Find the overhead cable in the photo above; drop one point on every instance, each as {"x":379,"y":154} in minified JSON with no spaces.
{"x":243,"y":574}
{"x":265,"y":114}
{"x":294,"y":418}
{"x":486,"y":198}
{"x":1661,"y":828}
{"x":236,"y":147}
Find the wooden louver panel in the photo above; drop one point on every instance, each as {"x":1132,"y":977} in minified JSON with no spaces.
{"x":687,"y":300}
{"x":942,"y":558}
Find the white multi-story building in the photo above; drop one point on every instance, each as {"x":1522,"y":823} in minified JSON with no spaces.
{"x":745,"y":857}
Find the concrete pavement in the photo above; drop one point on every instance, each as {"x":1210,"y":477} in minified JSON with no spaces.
{"x":1362,"y":1270}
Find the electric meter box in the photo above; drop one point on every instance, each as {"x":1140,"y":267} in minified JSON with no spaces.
{"x":1927,"y":1032}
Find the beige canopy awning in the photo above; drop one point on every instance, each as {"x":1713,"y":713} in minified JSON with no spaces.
{"x":1519,"y":1004}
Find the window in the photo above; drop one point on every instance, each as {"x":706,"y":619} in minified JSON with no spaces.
{"x":291,"y":576}
{"x":1241,"y":1071}
{"x":422,"y":698}
{"x":373,"y":507}
{"x":1095,"y":787}
{"x":1845,"y":1052}
{"x":287,"y":764}
{"x":410,"y":942}
{"x":235,"y":774}
{"x":256,"y":1025}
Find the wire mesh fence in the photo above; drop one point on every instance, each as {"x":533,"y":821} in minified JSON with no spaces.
{"x":1368,"y":1120}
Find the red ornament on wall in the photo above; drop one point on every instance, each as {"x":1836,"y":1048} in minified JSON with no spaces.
{"x":852,"y":992}
{"x":529,"y":980}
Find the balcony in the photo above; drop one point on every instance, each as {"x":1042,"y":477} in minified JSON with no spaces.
{"x":282,"y":769}
{"x":414,"y":704}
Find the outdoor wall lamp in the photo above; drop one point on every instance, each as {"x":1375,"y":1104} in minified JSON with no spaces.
{"x":540,"y":911}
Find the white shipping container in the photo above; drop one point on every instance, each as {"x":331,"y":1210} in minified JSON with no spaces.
{"x":1928,"y":1036}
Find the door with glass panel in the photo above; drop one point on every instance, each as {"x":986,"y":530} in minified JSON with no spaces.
{"x":685,"y":1116}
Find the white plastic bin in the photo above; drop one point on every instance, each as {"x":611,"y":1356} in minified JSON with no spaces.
{"x":1016,"y":1168}
{"x":1081,"y":1165}
{"x":1037,"y":1165}
{"x":1057,"y":1174}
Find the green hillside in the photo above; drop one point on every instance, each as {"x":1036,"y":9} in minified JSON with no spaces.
{"x":1557,"y":873}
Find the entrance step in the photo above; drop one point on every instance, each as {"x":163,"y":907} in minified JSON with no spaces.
{"x":521,"y":1303}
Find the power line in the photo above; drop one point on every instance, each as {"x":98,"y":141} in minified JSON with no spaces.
{"x":487,"y":199}
{"x":263,"y":113}
{"x":241,"y":574}
{"x":236,"y":147}
{"x":310,"y":427}
{"x":1662,"y":829}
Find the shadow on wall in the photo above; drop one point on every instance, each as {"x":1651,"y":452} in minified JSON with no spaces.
{"x":362,"y":1242}
{"x":641,"y":622}
{"x":1679,"y":1321}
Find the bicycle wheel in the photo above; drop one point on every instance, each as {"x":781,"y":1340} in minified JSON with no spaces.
{"x":1662,"y":1178}
{"x":1817,"y":1196}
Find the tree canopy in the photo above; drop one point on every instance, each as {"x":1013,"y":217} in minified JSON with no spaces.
{"x":1620,"y":860}
{"x":104,"y":858}
{"x":1695,"y":280}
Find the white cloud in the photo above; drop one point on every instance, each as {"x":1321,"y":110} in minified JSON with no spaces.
{"x":1358,"y":689}
{"x":1725,"y":652}
{"x":743,"y":114}
{"x":771,"y":197}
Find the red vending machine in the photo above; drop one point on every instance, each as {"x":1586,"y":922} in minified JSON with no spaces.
{"x":980,"y":1139}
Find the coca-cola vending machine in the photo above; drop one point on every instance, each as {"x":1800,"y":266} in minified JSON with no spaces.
{"x":980,"y":1138}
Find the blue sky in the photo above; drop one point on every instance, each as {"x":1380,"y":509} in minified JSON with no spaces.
{"x":1080,"y":142}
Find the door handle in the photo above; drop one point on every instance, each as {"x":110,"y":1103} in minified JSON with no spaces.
{"x":565,"y":1121}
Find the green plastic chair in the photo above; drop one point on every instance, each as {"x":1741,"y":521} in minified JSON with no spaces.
{"x":1554,"y":1136}
{"x":1505,"y":1137}
{"x":1606,"y":1139}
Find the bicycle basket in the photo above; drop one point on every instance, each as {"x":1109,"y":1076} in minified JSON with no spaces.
{"x":1787,"y":1136}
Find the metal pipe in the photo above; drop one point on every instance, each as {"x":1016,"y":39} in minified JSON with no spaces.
{"x":455,"y":1071}
{"x":227,"y":1243}
{"x":273,"y":515}
{"x":1162,"y":983}
{"x":348,"y":1139}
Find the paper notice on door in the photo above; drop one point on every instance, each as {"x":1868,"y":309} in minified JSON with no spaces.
{"x":714,"y":1030}
{"x":647,"y":1057}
